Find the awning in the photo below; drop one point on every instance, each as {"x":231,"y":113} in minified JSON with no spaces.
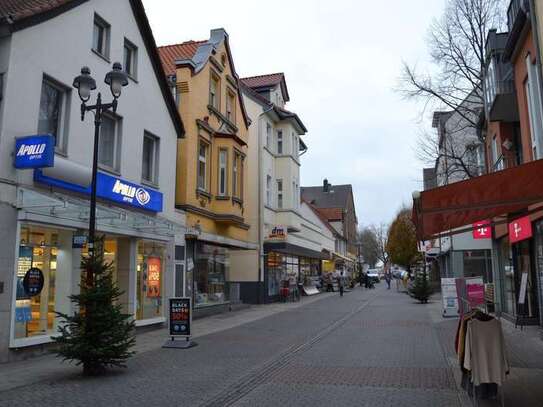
{"x":481,"y":198}
{"x":341,"y":257}
{"x":292,"y":249}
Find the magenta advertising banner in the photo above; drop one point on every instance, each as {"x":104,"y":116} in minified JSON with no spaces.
{"x":475,"y":289}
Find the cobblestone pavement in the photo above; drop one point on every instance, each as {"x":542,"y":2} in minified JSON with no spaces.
{"x":369,"y":348}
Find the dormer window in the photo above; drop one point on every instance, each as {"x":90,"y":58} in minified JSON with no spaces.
{"x":214,"y":86}
{"x":230,"y":105}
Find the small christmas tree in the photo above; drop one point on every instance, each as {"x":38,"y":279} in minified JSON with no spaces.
{"x":98,"y":335}
{"x":421,"y":288}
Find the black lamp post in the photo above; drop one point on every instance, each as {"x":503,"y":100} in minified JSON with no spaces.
{"x":85,"y":83}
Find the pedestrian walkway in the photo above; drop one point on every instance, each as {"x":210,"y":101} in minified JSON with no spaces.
{"x":369,"y":348}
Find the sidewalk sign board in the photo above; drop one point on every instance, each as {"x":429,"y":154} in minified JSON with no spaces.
{"x":449,"y":297}
{"x":180,"y":323}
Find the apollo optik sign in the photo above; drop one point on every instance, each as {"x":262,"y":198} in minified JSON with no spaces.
{"x":34,"y":151}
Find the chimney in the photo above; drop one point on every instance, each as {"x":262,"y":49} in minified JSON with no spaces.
{"x":325,"y":185}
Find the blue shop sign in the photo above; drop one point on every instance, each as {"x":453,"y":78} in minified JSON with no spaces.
{"x":113,"y":189}
{"x":35,"y":151}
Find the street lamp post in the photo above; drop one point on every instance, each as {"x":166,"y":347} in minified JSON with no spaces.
{"x":85,"y":83}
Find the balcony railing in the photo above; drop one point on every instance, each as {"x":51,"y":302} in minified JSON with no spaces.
{"x":515,"y":7}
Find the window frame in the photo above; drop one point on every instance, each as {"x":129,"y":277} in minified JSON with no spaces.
{"x":61,"y":136}
{"x":268,"y":135}
{"x":230,"y":103}
{"x":268,"y":190}
{"x":117,"y":120}
{"x":156,"y":158}
{"x":280,"y":195}
{"x":235,"y":175}
{"x":223,"y":172}
{"x":129,"y":45}
{"x":205,"y":161}
{"x":280,"y":141}
{"x":214,"y":78}
{"x":103,"y":24}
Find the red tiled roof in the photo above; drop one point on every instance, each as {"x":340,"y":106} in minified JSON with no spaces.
{"x":20,"y":9}
{"x":263,"y":80}
{"x":171,"y":53}
{"x":331,"y":213}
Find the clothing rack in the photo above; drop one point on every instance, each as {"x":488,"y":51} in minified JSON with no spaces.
{"x":467,"y":308}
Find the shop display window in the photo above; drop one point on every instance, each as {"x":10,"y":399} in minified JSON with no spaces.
{"x":275,"y":272}
{"x":35,"y":301}
{"x":211,"y":275}
{"x":150,"y":274}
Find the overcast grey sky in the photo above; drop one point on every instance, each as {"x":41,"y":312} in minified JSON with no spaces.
{"x":342,"y":60}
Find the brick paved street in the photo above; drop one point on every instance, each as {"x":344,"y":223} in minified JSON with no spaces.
{"x":369,"y":348}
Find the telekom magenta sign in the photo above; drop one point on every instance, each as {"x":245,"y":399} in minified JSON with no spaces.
{"x":482,"y":230}
{"x":520,"y":229}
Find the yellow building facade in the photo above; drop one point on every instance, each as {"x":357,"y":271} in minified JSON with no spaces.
{"x":211,"y":163}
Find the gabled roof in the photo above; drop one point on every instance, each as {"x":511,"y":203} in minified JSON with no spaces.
{"x":196,"y":54}
{"x":20,"y":14}
{"x":268,"y":81}
{"x":171,"y":53}
{"x":282,"y":114}
{"x":331,"y":214}
{"x":337,"y":197}
{"x":322,"y":218}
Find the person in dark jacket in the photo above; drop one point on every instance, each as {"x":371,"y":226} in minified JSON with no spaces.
{"x":341,"y":283}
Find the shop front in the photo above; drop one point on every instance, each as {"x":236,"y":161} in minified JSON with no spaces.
{"x":50,"y":243}
{"x":290,"y":265}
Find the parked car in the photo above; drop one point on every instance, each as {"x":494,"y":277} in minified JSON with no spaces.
{"x":373,"y":275}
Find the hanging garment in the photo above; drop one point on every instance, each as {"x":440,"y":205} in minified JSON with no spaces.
{"x":485,"y":353}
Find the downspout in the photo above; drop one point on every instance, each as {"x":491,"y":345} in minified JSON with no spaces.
{"x":535,"y":33}
{"x":261,"y":258}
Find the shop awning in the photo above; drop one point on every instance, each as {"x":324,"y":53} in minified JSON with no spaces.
{"x":294,"y":250}
{"x":477,"y":199}
{"x":341,"y":257}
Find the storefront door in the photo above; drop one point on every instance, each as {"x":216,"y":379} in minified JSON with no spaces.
{"x":522,"y":259}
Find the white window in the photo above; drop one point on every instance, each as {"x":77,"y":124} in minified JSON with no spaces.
{"x":214,"y":86}
{"x":235,"y":175}
{"x":293,"y":194}
{"x":223,"y":171}
{"x":202,"y":165}
{"x":230,"y":106}
{"x":268,"y":190}
{"x":130,"y":59}
{"x":533,"y":99}
{"x":53,"y":106}
{"x":268,"y":135}
{"x":295,"y":145}
{"x":150,"y":158}
{"x":100,"y":36}
{"x":109,"y":143}
{"x":279,"y":141}
{"x":280,"y":193}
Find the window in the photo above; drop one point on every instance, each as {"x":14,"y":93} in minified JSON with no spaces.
{"x":230,"y":106}
{"x":280,"y":193}
{"x":202,"y":165}
{"x":214,"y":91}
{"x":268,"y":190}
{"x":53,"y":102}
{"x":533,"y":99}
{"x":295,"y":145}
{"x":109,"y":143}
{"x":237,"y":175}
{"x":130,"y":59}
{"x":268,"y":135}
{"x":279,"y":141}
{"x":100,"y":36}
{"x":149,"y":166}
{"x":223,"y":168}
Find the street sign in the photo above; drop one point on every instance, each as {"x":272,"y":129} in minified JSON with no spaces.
{"x":36,"y":151}
{"x":180,"y":316}
{"x":79,"y":241}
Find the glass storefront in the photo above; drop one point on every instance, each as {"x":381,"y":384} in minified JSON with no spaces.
{"x":522,"y":261}
{"x":211,"y":273}
{"x":478,"y":263}
{"x":35,"y":307}
{"x":296,"y":270}
{"x":150,"y":279}
{"x":508,"y":272}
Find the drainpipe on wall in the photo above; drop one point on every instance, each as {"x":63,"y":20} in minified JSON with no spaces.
{"x":261,"y":258}
{"x":535,"y":32}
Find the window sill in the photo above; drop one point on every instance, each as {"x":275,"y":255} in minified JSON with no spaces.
{"x":237,"y":200}
{"x":222,"y":198}
{"x":201,"y":192}
{"x":105,"y":58}
{"x":222,"y":117}
{"x":61,"y":153}
{"x":133,"y":78}
{"x":150,"y":184}
{"x":109,"y":170}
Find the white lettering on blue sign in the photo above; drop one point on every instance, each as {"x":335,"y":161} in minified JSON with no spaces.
{"x":129,"y":192}
{"x":32,"y":151}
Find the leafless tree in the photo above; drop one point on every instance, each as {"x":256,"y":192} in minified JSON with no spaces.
{"x":381,"y":233}
{"x":456,"y":44}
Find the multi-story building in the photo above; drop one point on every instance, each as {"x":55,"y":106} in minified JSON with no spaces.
{"x":44,"y":183}
{"x":336,"y":204}
{"x":211,"y":181}
{"x":290,"y":237}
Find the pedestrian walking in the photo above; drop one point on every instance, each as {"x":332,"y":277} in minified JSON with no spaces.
{"x":341,"y":283}
{"x":388,"y":278}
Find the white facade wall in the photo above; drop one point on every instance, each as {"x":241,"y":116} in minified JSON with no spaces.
{"x":58,"y":48}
